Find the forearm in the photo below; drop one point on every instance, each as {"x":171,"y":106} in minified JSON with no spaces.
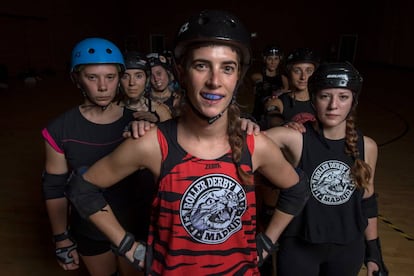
{"x":371,"y":232}
{"x":277,"y":224}
{"x":57,"y":210}
{"x":107,"y":223}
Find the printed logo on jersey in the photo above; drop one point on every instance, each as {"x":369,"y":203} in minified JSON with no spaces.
{"x":211,"y":208}
{"x":331,"y":183}
{"x":303,"y":117}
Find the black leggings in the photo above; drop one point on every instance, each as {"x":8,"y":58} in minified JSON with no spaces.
{"x":296,"y":257}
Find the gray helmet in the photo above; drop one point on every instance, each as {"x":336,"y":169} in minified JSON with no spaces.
{"x":215,"y":26}
{"x":336,"y":75}
{"x":136,"y":60}
{"x":302,"y":55}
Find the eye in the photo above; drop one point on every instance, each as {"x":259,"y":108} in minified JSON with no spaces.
{"x":344,"y":97}
{"x":201,"y":66}
{"x":111,"y":77}
{"x":323,"y":96}
{"x":309,"y":71}
{"x":228,"y":69}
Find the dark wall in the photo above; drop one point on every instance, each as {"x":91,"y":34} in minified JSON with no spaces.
{"x":40,"y":35}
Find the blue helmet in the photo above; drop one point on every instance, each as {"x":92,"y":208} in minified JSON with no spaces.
{"x":96,"y":51}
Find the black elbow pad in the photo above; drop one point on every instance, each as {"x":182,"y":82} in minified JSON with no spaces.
{"x":86,"y":197}
{"x":293,"y":199}
{"x":370,"y":206}
{"x":53,"y":185}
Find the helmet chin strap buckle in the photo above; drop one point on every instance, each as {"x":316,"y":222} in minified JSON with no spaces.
{"x":215,"y":118}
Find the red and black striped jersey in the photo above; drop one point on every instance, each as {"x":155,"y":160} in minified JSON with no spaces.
{"x":204,"y":218}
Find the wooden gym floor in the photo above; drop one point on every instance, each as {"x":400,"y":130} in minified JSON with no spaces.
{"x":385,"y":114}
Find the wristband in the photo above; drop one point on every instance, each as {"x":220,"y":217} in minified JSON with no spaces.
{"x":61,"y":237}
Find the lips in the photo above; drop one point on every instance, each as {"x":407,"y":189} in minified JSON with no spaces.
{"x":104,"y":98}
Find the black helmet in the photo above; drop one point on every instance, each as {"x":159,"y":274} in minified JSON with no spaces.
{"x":302,"y":55}
{"x":272,"y":50}
{"x":136,"y":60}
{"x":336,"y":75}
{"x":214,"y":26}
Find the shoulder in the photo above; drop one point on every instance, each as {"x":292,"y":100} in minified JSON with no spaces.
{"x":69,"y":117}
{"x":284,"y":136}
{"x":256,"y":77}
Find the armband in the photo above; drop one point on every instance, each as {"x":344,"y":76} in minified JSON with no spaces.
{"x":53,"y":185}
{"x":86,"y":197}
{"x":373,"y":254}
{"x":370,"y":206}
{"x":61,"y":237}
{"x":293,"y":199}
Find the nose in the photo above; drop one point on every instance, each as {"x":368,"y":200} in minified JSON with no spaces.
{"x":102,"y":85}
{"x":213,"y":80}
{"x":132,"y":81}
{"x":333,"y":103}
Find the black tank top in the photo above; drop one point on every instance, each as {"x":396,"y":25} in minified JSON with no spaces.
{"x":297,"y":111}
{"x":333,"y":213}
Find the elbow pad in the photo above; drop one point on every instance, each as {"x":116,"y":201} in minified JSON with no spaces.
{"x":86,"y":197}
{"x":53,"y":185}
{"x":370,"y":206}
{"x":293,"y":199}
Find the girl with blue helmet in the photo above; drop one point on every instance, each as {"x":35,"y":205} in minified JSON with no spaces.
{"x":74,"y":141}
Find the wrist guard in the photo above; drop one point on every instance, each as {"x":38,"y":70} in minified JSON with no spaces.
{"x":373,"y":254}
{"x":264,"y":243}
{"x":126,"y":245}
{"x":62,"y":253}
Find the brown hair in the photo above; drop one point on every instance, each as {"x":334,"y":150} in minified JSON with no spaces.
{"x":360,"y":171}
{"x":234,"y":131}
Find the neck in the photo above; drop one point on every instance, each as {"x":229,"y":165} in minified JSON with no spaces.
{"x":160,"y":95}
{"x":201,"y":126}
{"x":137,"y":103}
{"x":300,"y":95}
{"x":336,"y":132}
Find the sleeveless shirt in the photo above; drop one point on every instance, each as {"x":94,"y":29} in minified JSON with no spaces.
{"x":204,"y":218}
{"x":333,"y":213}
{"x":296,"y":111}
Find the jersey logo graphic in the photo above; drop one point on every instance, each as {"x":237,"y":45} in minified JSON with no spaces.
{"x":303,"y":117}
{"x":331,"y":183}
{"x":211,"y":208}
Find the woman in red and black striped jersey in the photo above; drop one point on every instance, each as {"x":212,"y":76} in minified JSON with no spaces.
{"x":204,"y":214}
